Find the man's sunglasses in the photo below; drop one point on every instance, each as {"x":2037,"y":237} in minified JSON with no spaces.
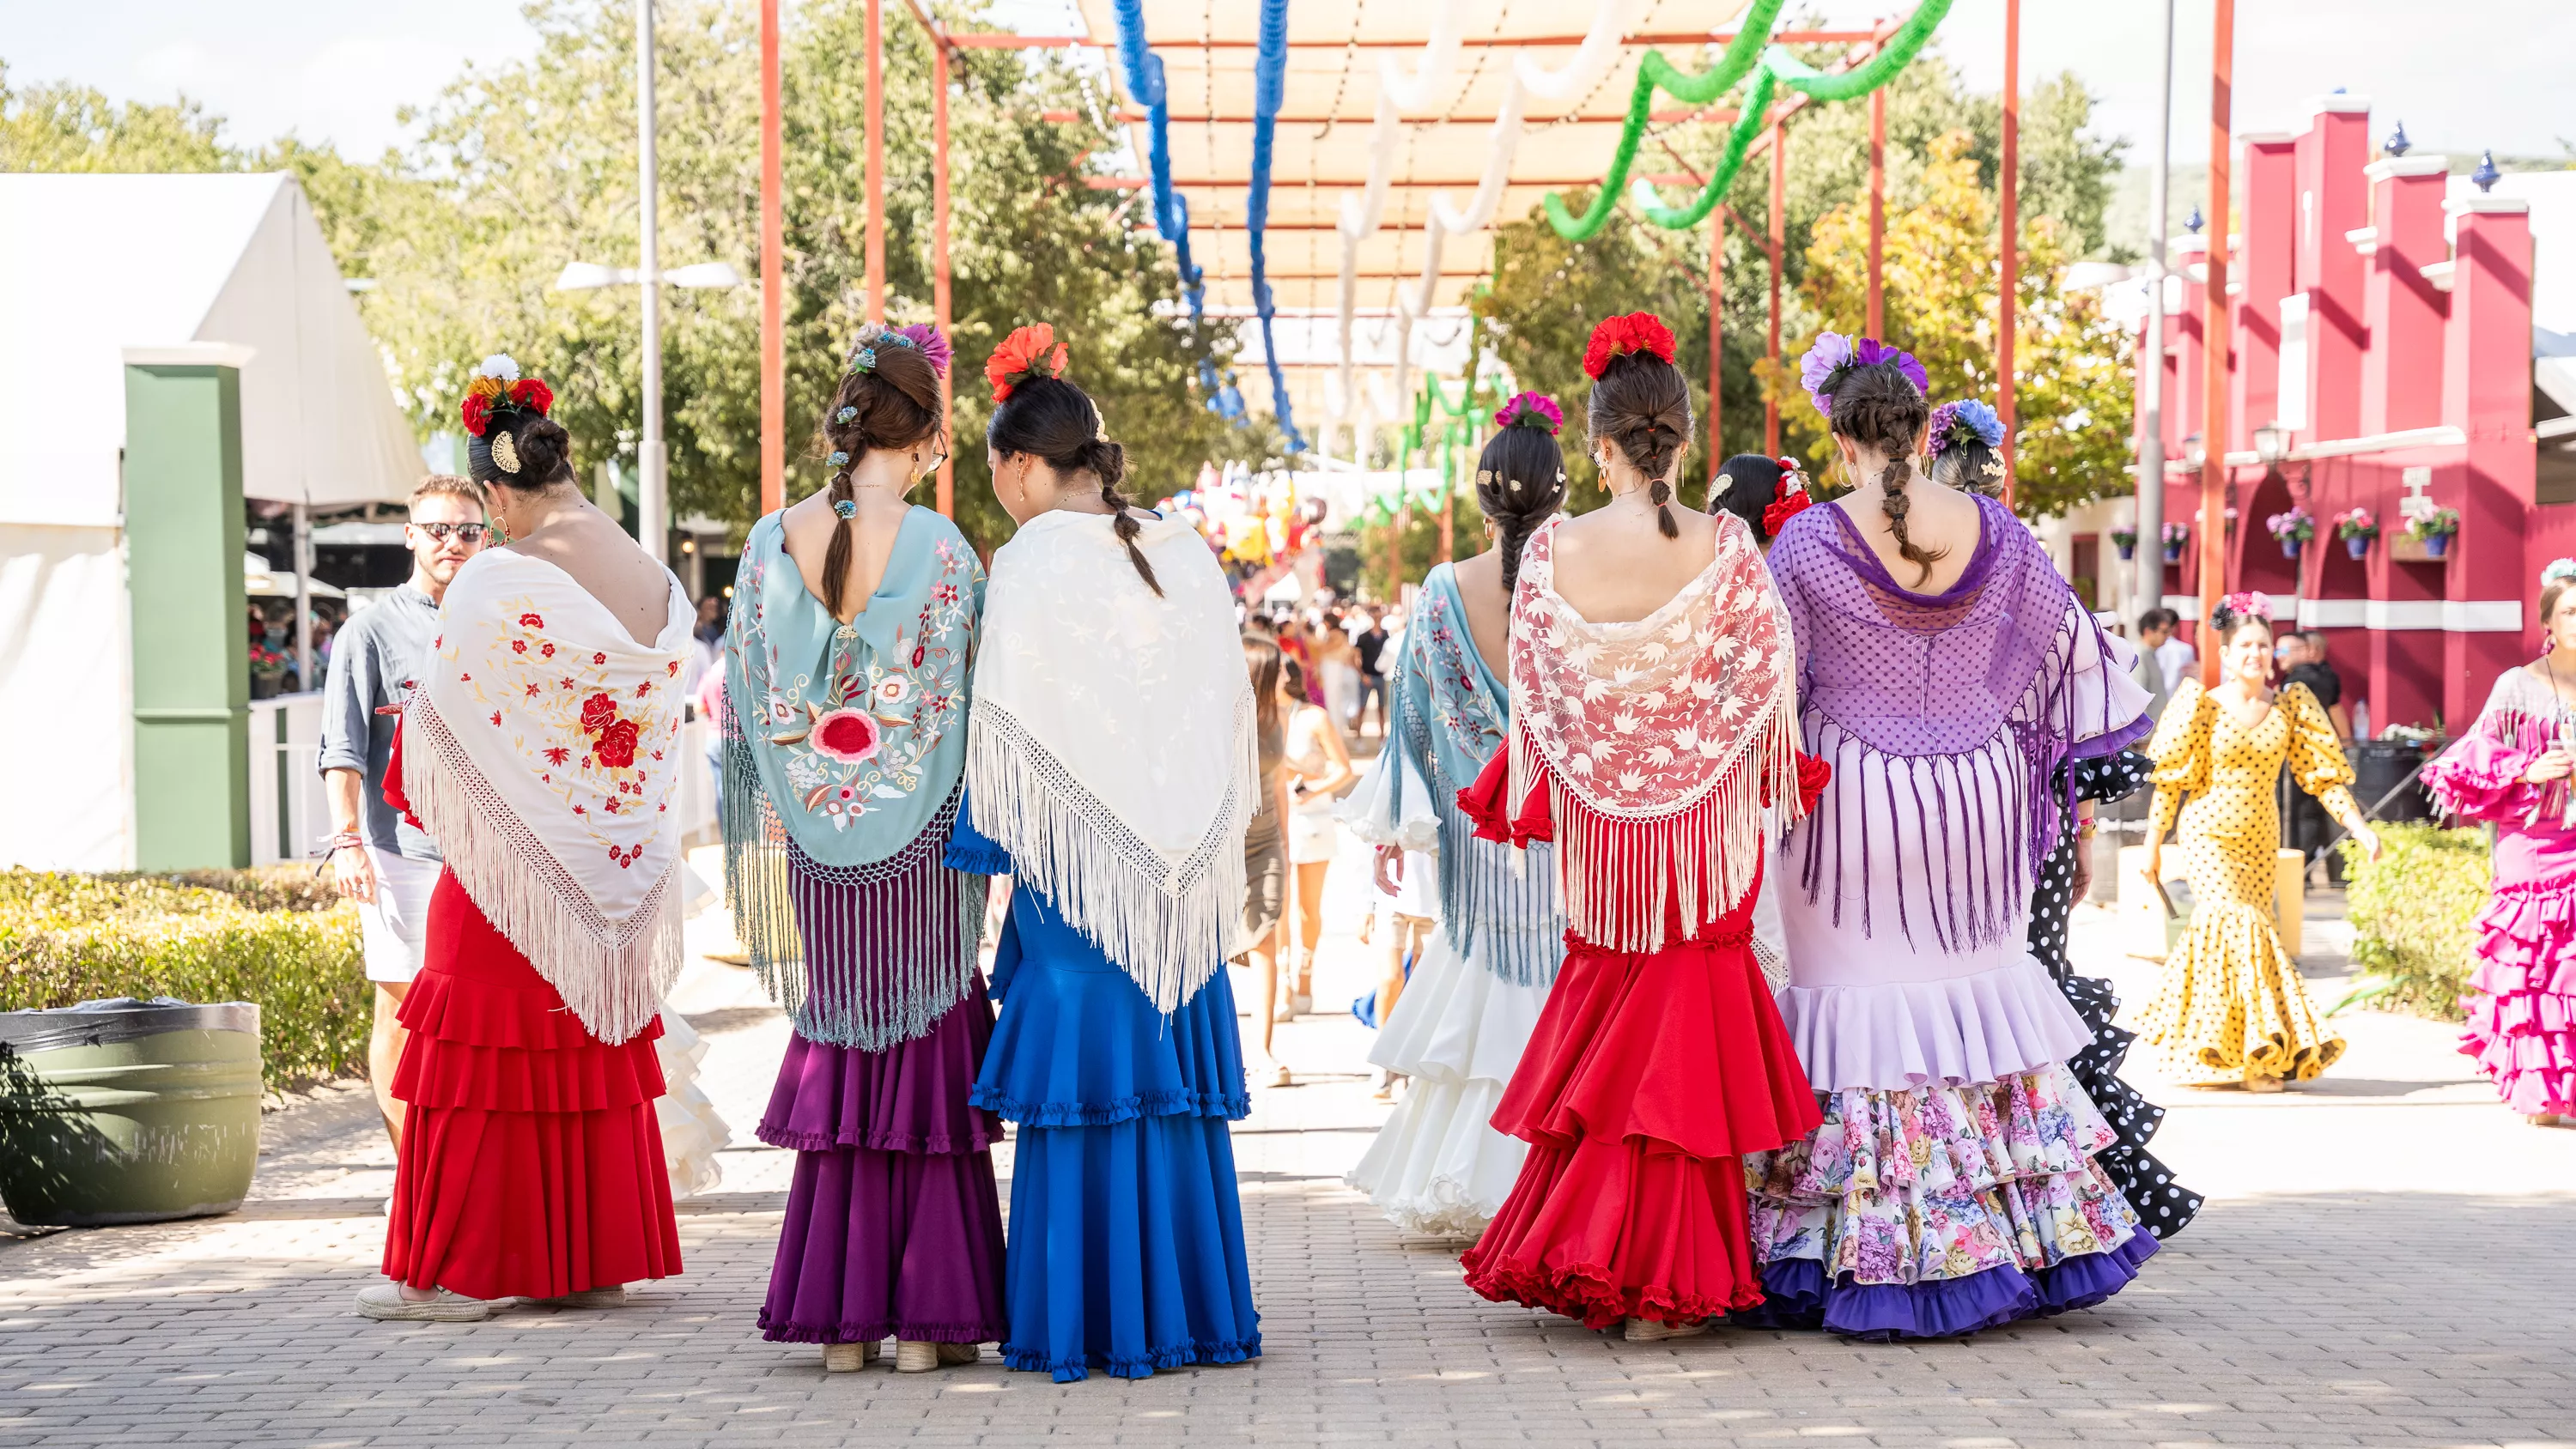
{"x":473,"y":533}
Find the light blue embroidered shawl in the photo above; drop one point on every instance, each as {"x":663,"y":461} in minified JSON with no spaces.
{"x":1447,"y":714}
{"x":844,"y":748}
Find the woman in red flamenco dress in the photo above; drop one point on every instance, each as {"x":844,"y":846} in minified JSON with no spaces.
{"x":542,"y":754}
{"x":1653,"y":728}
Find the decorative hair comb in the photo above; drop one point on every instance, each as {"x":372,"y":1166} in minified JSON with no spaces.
{"x":1619,"y":336}
{"x":1030,"y":352}
{"x":1531,"y":410}
{"x":497,"y":387}
{"x":2557,"y":569}
{"x":1964,"y":421}
{"x":1833,"y":357}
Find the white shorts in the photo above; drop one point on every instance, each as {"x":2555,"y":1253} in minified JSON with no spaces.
{"x":396,"y":922}
{"x":1311,"y":832}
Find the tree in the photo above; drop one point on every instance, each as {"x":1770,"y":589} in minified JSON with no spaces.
{"x":2070,"y":364}
{"x":1548,"y":293}
{"x":77,"y":128}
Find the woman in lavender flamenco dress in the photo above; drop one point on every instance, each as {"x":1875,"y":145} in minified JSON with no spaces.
{"x":1946,"y":672}
{"x":853,"y":623}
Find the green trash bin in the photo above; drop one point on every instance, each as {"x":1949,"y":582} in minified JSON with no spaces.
{"x":126,"y":1111}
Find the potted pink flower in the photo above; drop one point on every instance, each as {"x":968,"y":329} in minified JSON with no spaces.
{"x":2356,"y":527}
{"x":2176,"y":535}
{"x":2292,"y":529}
{"x":2435,"y":530}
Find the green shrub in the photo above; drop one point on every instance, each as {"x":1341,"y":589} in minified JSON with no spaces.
{"x":212,"y":936}
{"x":2410,"y":911}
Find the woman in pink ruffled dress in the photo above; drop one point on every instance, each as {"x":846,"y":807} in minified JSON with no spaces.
{"x":2512,"y":771}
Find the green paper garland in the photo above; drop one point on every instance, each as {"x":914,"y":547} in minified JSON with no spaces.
{"x":1769,"y":69}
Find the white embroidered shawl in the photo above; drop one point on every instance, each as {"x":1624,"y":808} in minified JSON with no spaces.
{"x":1109,"y":745}
{"x":543,"y":754}
{"x":1657,"y":739}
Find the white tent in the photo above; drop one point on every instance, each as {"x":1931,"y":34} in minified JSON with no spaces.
{"x":89,"y":267}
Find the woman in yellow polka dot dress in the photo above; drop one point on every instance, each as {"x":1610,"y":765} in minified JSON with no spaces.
{"x":2232,"y":1007}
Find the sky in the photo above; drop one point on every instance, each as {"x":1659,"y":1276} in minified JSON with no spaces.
{"x":338,"y":70}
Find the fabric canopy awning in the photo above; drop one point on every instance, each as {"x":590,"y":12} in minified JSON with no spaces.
{"x":91,"y":266}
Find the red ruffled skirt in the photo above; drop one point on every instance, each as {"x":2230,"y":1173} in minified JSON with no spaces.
{"x":1648,"y":1079}
{"x":531,"y":1159}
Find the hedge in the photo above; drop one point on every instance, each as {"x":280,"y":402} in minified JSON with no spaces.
{"x":276,"y":937}
{"x":2410,"y":912}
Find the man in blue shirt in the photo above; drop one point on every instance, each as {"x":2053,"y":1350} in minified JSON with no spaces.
{"x":378,"y":859}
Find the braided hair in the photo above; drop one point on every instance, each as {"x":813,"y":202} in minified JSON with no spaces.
{"x":1641,"y":403}
{"x":1049,"y":418}
{"x":892,"y":403}
{"x":1879,"y":407}
{"x":1520,"y":480}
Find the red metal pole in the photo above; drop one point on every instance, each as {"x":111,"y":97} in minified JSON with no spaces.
{"x":1716,"y":334}
{"x":773,"y":274}
{"x":876,"y":161}
{"x":939,"y":297}
{"x":2008,"y":281}
{"x":1878,"y":212}
{"x":2215,"y":331}
{"x":1778,"y":242}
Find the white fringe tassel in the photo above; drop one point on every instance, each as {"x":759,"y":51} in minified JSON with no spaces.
{"x":1623,"y":877}
{"x":1168,"y":925}
{"x":611,"y":974}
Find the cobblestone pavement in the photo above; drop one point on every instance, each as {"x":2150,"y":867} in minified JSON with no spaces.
{"x":2385,"y":1259}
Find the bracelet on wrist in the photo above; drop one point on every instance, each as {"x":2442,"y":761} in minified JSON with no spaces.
{"x":343,"y":840}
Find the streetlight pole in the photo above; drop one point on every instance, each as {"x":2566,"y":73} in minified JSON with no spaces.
{"x":652,"y":497}
{"x":2147,"y":585}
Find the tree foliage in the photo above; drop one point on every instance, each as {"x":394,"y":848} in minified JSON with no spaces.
{"x":2070,"y":365}
{"x":1548,"y":293}
{"x":521,"y":168}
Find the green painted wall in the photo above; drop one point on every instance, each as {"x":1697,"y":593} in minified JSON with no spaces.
{"x":183,"y":541}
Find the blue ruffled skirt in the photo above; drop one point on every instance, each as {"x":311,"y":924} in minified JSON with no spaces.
{"x":1126,"y":1248}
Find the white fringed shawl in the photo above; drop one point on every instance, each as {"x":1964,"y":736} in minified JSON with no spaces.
{"x":543,"y":755}
{"x":1109,"y":747}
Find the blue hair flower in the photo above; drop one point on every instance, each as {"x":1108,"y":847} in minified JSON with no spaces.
{"x":838,"y":458}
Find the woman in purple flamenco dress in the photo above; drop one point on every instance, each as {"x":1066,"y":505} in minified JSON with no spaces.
{"x":854,"y":618}
{"x":1947,"y":673}
{"x":2512,"y":771}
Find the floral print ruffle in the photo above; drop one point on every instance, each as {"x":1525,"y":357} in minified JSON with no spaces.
{"x":1942,"y":1182}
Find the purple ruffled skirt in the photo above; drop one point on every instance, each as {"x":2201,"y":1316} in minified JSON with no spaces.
{"x":894,"y":1228}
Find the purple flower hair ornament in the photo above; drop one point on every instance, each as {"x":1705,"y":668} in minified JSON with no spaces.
{"x":1957,"y":422}
{"x":1833,"y":355}
{"x":1823,"y":363}
{"x":934,"y":347}
{"x":1531,"y":410}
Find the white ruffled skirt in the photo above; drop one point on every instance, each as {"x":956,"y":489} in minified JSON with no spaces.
{"x":1438,"y":1169}
{"x":692,"y":1132}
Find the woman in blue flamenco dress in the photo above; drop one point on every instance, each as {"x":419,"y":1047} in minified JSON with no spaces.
{"x":1109,"y":772}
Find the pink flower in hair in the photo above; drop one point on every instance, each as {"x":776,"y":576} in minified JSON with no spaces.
{"x":934,"y":347}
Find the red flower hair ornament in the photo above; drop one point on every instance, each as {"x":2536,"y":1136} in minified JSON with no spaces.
{"x":496,"y":386}
{"x":1030,"y":352}
{"x":1788,"y":498}
{"x":1619,"y":336}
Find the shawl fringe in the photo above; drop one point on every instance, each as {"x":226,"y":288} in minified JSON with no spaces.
{"x":1166,"y":924}
{"x":893,"y":942}
{"x":1494,"y":909}
{"x":1626,"y":880}
{"x":611,"y":974}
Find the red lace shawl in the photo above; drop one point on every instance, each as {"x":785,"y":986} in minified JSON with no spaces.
{"x":1657,"y":742}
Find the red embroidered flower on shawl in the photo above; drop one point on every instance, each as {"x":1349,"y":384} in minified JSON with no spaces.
{"x":1619,"y":336}
{"x":617,"y":745}
{"x":596,"y":712}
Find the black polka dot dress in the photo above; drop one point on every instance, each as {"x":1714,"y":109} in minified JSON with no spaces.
{"x":2163,"y":1205}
